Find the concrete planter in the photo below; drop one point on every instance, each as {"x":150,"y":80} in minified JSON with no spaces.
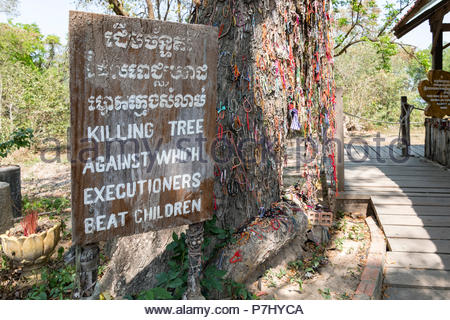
{"x":34,"y":249}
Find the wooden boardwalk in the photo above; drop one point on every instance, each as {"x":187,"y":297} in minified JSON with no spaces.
{"x":411,"y":200}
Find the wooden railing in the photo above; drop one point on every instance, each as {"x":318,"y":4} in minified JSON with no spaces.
{"x":437,"y":140}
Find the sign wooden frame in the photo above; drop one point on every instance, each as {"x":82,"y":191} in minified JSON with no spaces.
{"x":436,"y":92}
{"x":143,"y":97}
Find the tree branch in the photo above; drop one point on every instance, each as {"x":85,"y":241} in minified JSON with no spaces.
{"x":158,"y":8}
{"x":389,"y":22}
{"x":411,"y":54}
{"x":117,"y":7}
{"x":354,"y":24}
{"x":167,"y":9}
{"x":150,"y":12}
{"x":344,"y":49}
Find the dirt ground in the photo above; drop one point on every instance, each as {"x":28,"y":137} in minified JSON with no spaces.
{"x":40,"y":181}
{"x":389,"y":134}
{"x":327,"y":272}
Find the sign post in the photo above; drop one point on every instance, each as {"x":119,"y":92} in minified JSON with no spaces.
{"x":143,"y":97}
{"x":194,"y":240}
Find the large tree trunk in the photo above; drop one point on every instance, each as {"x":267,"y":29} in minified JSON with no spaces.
{"x":274,"y":56}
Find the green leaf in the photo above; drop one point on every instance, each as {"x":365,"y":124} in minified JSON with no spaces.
{"x":162,"y":278}
{"x":155,"y":294}
{"x":175,"y":283}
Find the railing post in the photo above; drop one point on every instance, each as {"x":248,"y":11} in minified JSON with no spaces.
{"x":340,"y":136}
{"x":405,"y":126}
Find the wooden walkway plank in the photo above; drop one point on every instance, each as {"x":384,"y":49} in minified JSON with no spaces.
{"x":381,"y":181}
{"x":395,"y":150}
{"x":383,"y":209}
{"x":412,"y":201}
{"x":418,"y":260}
{"x":384,"y":152}
{"x":389,"y":163}
{"x":418,"y":150}
{"x":393,"y":192}
{"x":373,"y":153}
{"x":422,"y":221}
{"x":363,"y":151}
{"x":413,"y":232}
{"x":387,"y":183}
{"x":355,"y":154}
{"x":375,"y":174}
{"x":424,"y":192}
{"x":419,"y":245}
{"x":431,"y":279}
{"x":389,"y":170}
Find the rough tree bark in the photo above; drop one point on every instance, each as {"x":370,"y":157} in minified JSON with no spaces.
{"x":274,"y":56}
{"x":150,"y":12}
{"x":117,"y":7}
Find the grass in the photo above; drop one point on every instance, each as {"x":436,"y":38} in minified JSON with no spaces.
{"x":339,"y":243}
{"x":281,"y":273}
{"x":325,"y":293}
{"x":50,"y":204}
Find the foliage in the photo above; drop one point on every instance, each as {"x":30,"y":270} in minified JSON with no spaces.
{"x":212,"y":279}
{"x":171,"y":10}
{"x":56,"y":204}
{"x":29,"y":223}
{"x":417,"y":68}
{"x":174,"y":281}
{"x":33,"y":81}
{"x":155,"y":294}
{"x":4,"y":261}
{"x":385,"y":49}
{"x":19,"y":138}
{"x":54,"y":284}
{"x":22,"y":43}
{"x":360,"y":21}
{"x":9,"y":6}
{"x":373,"y":86}
{"x":305,"y":268}
{"x":238,"y":291}
{"x":339,"y":243}
{"x":326,"y":294}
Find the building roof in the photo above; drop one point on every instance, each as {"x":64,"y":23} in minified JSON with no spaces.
{"x":419,"y":12}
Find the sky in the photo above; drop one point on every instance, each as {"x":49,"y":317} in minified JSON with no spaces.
{"x":52,"y":17}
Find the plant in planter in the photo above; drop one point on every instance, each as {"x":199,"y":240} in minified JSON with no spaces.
{"x":11,"y":173}
{"x":32,"y":241}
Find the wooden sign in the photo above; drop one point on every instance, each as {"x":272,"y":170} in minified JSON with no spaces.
{"x":436,"y":92}
{"x":143,"y":97}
